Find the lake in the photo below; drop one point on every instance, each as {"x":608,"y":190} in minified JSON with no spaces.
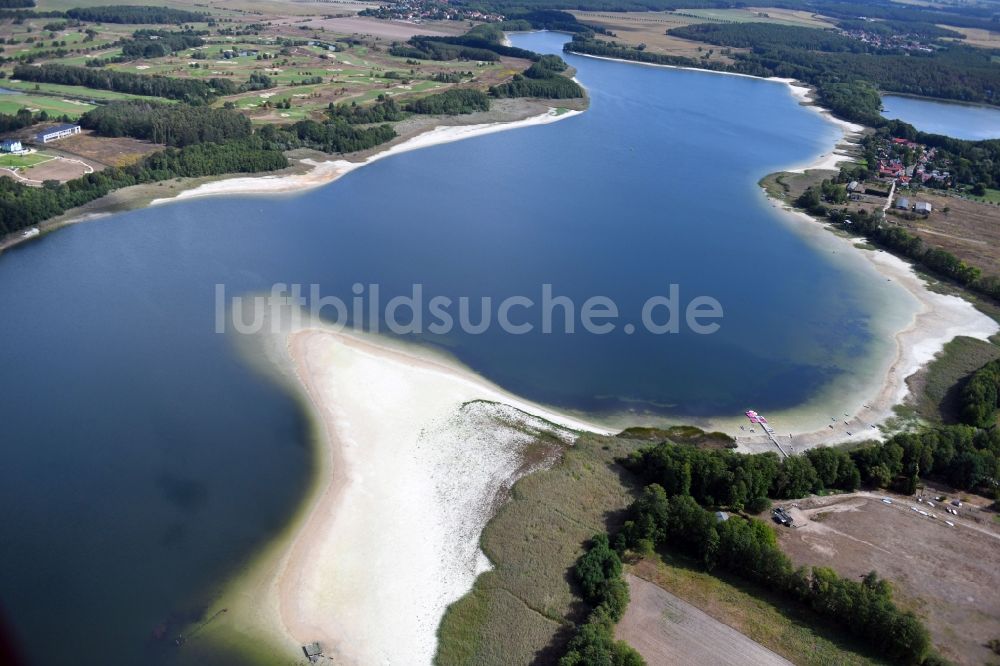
{"x":961,"y":121}
{"x":144,"y":460}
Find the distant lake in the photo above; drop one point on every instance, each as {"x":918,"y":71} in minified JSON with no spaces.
{"x":144,"y":460}
{"x":961,"y":121}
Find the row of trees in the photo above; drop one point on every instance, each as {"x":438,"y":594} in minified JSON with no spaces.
{"x":599,"y":575}
{"x":193,"y":91}
{"x":134,"y":14}
{"x":169,"y":124}
{"x":748,"y":547}
{"x":964,"y":456}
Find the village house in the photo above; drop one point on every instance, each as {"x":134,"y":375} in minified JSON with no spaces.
{"x":11,"y":146}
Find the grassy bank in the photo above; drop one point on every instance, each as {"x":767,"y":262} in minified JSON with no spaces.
{"x":938,"y":385}
{"x":520,"y":612}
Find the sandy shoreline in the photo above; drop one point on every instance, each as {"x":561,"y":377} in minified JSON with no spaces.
{"x":323,"y":173}
{"x":932,"y":321}
{"x":405,"y":449}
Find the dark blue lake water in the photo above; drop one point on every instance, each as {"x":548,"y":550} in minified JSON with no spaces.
{"x":143,"y":460}
{"x":961,"y":121}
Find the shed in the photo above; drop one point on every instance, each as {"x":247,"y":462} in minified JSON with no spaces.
{"x":721,"y":516}
{"x":313,"y":651}
{"x":57,"y":132}
{"x":924,"y":207}
{"x":903,"y":203}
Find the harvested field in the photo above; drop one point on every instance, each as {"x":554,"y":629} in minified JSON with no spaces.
{"x":59,"y":168}
{"x":761,"y":15}
{"x":392,"y":30}
{"x":105,"y":151}
{"x":666,"y":630}
{"x":649,"y":28}
{"x":987,"y":39}
{"x":970,"y":230}
{"x":949,"y":576}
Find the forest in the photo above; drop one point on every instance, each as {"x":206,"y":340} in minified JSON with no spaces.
{"x":483,"y":42}
{"x":134,"y":14}
{"x":383,"y":110}
{"x":451,"y":102}
{"x":750,"y":35}
{"x":159,"y":43}
{"x":193,"y":91}
{"x":175,"y":125}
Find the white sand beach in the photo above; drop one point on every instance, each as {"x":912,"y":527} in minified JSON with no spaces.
{"x":916,"y":324}
{"x":412,"y":466}
{"x":326,"y":172}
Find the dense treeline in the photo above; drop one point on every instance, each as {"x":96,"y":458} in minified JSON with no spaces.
{"x":134,"y":14}
{"x":22,"y":206}
{"x":542,"y":79}
{"x":750,"y":35}
{"x":383,"y":110}
{"x":599,"y":575}
{"x":451,"y":102}
{"x":483,"y":42}
{"x":743,"y":481}
{"x":159,"y":43}
{"x":193,"y":91}
{"x":980,"y":396}
{"x":333,"y":136}
{"x":748,"y":548}
{"x":963,"y":456}
{"x":170,"y":124}
{"x":544,"y":19}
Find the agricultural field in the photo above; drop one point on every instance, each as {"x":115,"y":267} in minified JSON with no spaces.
{"x":967,"y":229}
{"x":101,"y":152}
{"x":769,"y":620}
{"x":668,"y":630}
{"x":987,"y":39}
{"x":948,"y":574}
{"x":759,"y":15}
{"x":649,"y":28}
